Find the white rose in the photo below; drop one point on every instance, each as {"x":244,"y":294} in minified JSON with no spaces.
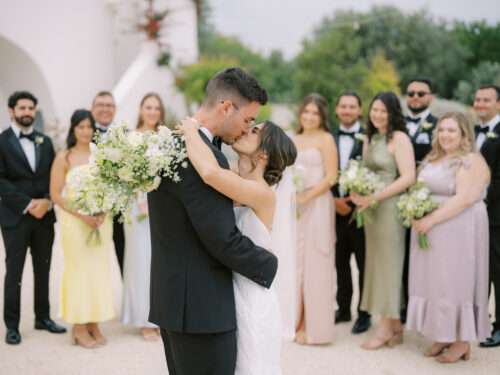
{"x":135,"y":139}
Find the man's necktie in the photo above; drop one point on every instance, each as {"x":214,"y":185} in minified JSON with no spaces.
{"x":478,"y":129}
{"x":30,"y":136}
{"x":349,"y":134}
{"x":415,"y":120}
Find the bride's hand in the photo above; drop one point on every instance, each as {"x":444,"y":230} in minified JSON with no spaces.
{"x":188,"y":125}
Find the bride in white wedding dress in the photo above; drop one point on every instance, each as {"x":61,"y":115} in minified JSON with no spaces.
{"x":264,"y":153}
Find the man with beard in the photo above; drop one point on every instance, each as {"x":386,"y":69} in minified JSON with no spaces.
{"x":487,"y":107}
{"x":103,"y":110}
{"x":420,"y":125}
{"x":350,"y":239}
{"x":26,"y":216}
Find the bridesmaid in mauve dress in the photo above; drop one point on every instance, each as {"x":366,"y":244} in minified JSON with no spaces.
{"x":387,"y":152}
{"x":316,"y":278}
{"x":449,"y":280}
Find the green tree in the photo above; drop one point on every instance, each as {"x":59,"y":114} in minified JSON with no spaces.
{"x":330,"y":63}
{"x":481,"y":39}
{"x":485,"y":73}
{"x":416,"y":43}
{"x":382,"y":76}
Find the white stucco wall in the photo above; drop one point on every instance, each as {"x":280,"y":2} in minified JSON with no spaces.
{"x":67,"y":50}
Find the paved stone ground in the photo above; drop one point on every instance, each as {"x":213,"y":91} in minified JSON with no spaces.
{"x":42,"y":353}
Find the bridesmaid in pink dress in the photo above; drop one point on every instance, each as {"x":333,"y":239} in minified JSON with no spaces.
{"x":316,"y":277}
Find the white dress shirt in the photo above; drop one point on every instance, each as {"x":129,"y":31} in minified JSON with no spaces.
{"x":27,"y":146}
{"x":481,"y":138}
{"x":209,"y":135}
{"x":412,"y":127}
{"x":346,"y":144}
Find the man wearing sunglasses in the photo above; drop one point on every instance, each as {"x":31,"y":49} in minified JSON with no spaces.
{"x":420,"y":124}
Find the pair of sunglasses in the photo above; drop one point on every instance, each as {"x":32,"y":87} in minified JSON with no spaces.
{"x":420,"y":94}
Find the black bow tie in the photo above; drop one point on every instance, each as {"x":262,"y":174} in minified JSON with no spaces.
{"x":102,"y":130}
{"x":217,"y":142}
{"x":349,"y":134}
{"x":478,"y":129}
{"x":30,"y":136}
{"x":416,"y":120}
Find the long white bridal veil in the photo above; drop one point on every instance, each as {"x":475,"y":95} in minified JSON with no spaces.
{"x":284,"y":245}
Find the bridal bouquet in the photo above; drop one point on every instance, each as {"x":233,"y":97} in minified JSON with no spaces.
{"x":415,"y":204}
{"x":137,"y":160}
{"x":358,"y":179}
{"x":90,"y":195}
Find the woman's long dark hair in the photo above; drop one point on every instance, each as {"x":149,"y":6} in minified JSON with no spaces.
{"x":280,"y":150}
{"x":76,"y":118}
{"x":396,"y":120}
{"x":322,"y":105}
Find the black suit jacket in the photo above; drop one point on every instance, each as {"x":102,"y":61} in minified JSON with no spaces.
{"x":18,"y":183}
{"x":356,"y":153}
{"x":491,"y":152}
{"x":196,"y":246}
{"x":422,"y":149}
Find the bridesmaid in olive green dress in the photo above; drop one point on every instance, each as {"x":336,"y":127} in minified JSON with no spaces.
{"x":388,"y":152}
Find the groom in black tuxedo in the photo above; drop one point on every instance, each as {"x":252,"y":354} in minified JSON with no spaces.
{"x":196,"y":245}
{"x":487,"y":107}
{"x":26,"y":216}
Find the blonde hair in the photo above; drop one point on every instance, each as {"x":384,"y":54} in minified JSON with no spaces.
{"x":140,"y":120}
{"x":467,"y":144}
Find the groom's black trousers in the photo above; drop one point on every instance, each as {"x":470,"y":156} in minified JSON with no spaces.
{"x":200,"y":354}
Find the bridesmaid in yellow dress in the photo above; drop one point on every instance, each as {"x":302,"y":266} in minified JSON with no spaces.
{"x":86,"y":290}
{"x":316,"y":276}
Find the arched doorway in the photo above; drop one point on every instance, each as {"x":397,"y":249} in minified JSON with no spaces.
{"x":19,"y":71}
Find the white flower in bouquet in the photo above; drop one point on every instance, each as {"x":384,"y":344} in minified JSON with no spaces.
{"x":136,"y":161}
{"x":356,"y":178}
{"x":90,"y":195}
{"x":414,"y":205}
{"x":298,"y":178}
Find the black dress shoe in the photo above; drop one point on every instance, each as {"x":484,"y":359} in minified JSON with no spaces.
{"x":342,"y":316}
{"x":13,"y":337}
{"x":49,"y":325}
{"x":362,"y":324}
{"x":493,"y":341}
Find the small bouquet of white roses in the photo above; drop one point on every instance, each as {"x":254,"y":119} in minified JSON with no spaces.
{"x":137,"y":160}
{"x":356,"y":178}
{"x":90,"y":195}
{"x":415,"y":204}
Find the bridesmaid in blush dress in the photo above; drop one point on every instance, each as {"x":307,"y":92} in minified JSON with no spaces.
{"x":316,"y":277}
{"x":449,"y":280}
{"x":137,"y":260}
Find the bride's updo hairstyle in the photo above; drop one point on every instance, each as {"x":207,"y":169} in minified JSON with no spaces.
{"x":280,"y":151}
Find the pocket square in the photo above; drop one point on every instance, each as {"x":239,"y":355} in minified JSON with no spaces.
{"x":423,"y":138}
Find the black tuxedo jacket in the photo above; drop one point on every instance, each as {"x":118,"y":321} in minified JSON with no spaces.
{"x":196,"y":246}
{"x":18,"y":183}
{"x":422,"y":149}
{"x":356,"y":153}
{"x":491,"y":152}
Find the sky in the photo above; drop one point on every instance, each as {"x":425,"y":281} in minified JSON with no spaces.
{"x":282,"y":24}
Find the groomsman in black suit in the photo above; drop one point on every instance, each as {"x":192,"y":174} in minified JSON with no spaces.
{"x":487,"y":106}
{"x":103,"y":110}
{"x":350,"y":239}
{"x":420,"y":125}
{"x":26,"y":216}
